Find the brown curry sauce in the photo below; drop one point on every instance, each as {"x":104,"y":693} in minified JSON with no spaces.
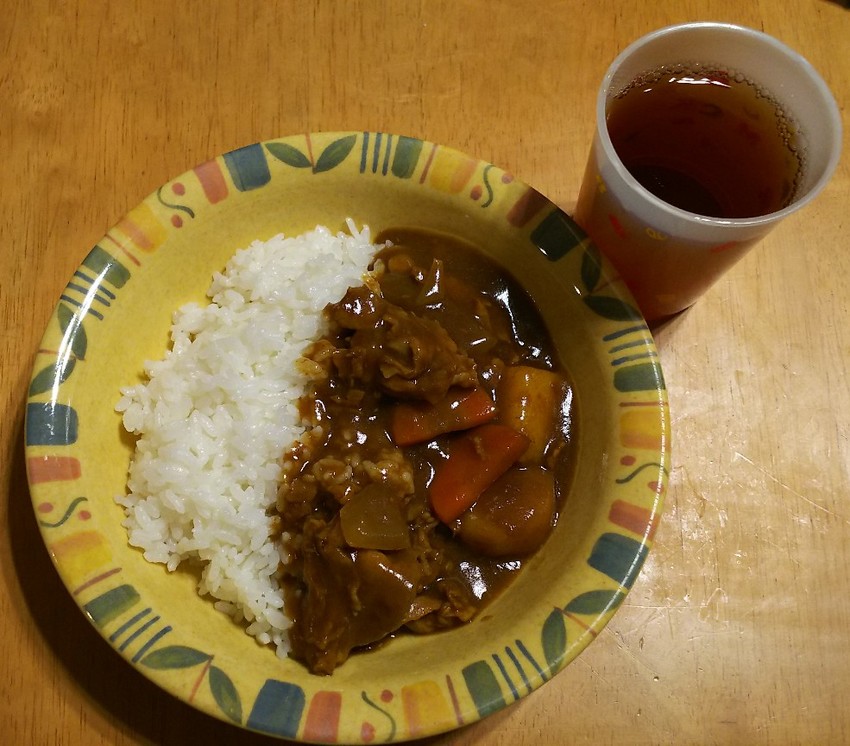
{"x":369,"y":558}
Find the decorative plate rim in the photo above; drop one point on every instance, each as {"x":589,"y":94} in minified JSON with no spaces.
{"x":283,"y":708}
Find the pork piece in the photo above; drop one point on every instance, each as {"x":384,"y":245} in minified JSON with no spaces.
{"x":405,"y":355}
{"x":352,"y":598}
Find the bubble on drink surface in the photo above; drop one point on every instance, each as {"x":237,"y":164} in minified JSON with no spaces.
{"x":787,"y":127}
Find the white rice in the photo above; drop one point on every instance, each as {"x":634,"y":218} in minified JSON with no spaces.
{"x":216,"y":413}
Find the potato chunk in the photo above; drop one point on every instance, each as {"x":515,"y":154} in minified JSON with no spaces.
{"x":513,"y":516}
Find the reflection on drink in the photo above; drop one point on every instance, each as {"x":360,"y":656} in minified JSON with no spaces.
{"x":707,"y":141}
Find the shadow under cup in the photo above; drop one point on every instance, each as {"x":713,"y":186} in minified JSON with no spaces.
{"x":669,"y":256}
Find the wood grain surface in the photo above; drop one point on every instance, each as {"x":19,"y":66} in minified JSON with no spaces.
{"x":738,"y":629}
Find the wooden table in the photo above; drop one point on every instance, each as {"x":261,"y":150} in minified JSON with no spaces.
{"x":738,"y":630}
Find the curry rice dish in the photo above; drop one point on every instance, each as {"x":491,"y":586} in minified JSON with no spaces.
{"x":427,"y":448}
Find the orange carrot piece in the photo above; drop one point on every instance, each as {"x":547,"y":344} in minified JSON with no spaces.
{"x":417,"y":422}
{"x":476,"y":459}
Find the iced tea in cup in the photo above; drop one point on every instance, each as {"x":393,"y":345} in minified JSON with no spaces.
{"x":707,"y":135}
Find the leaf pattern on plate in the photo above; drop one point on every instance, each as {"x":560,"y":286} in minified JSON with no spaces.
{"x":288,"y":154}
{"x":175,"y":656}
{"x":595,"y":602}
{"x":225,"y":694}
{"x":334,"y":154}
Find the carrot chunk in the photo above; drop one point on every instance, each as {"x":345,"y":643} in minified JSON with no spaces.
{"x":417,"y":422}
{"x":475,"y":460}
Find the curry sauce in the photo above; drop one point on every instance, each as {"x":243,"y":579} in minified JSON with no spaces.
{"x":440,"y":429}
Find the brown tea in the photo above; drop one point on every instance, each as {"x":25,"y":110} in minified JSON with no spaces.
{"x":709,"y":142}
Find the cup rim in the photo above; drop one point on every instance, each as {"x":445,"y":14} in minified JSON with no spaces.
{"x":677,"y":212}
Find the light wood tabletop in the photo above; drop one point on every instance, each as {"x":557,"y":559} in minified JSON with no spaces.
{"x":738,"y":629}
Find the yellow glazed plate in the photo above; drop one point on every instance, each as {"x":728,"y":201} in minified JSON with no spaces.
{"x":115,"y":313}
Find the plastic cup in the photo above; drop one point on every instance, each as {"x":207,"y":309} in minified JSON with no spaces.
{"x":669,"y":256}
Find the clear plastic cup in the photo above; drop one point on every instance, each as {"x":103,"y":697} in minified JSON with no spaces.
{"x":669,"y":256}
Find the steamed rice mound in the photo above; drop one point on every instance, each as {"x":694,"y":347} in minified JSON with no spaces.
{"x":214,"y":416}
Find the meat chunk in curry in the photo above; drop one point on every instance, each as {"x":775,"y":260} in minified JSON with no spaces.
{"x":440,"y":426}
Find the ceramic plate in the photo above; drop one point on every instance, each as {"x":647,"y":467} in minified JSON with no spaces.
{"x":115,"y":313}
